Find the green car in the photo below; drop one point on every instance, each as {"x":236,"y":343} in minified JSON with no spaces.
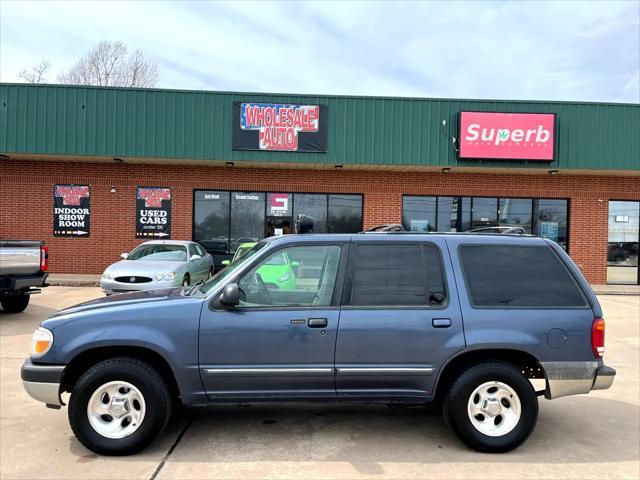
{"x":278,"y":272}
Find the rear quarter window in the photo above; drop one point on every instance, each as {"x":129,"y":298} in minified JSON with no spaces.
{"x":518,"y":277}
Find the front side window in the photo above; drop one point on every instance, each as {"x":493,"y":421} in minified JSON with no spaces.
{"x":517,"y":276}
{"x":401,"y":275}
{"x":300,"y":276}
{"x":159,"y":252}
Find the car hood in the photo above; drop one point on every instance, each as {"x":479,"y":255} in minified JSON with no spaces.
{"x":143,"y":267}
{"x":125,"y":299}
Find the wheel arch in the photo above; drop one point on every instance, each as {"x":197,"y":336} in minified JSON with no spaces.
{"x":90,"y":357}
{"x":526,"y":362}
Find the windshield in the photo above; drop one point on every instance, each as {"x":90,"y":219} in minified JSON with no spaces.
{"x":241,"y":252}
{"x":222,"y":274}
{"x":159,"y":251}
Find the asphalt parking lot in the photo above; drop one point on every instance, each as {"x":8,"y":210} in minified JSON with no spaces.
{"x":588,"y":436}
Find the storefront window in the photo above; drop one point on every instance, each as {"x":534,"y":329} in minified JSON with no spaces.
{"x":484,"y":213}
{"x":550,"y":220}
{"x":419,"y":214}
{"x":211,"y":220}
{"x":314,"y":206}
{"x":247,"y":218}
{"x":447,"y":214}
{"x":344,"y":213}
{"x":622,"y":246}
{"x":515,"y":212}
{"x":224,"y":220}
{"x":546,"y":218}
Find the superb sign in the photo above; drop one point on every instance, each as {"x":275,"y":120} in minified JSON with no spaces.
{"x":281,"y":127}
{"x":507,"y":136}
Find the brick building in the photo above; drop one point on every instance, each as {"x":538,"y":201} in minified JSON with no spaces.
{"x":95,"y":171}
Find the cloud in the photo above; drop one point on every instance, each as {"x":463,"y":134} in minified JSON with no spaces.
{"x":585,"y":51}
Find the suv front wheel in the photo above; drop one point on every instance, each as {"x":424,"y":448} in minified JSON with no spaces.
{"x":492,"y":407}
{"x":119,"y":406}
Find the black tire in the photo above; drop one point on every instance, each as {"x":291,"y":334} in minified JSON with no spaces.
{"x":15,"y":303}
{"x":455,"y":412}
{"x":146,"y":379}
{"x":186,"y":281}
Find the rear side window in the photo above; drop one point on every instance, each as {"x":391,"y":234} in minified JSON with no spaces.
{"x":517,"y":276}
{"x":399,"y":275}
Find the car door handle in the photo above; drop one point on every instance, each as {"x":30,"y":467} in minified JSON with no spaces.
{"x":441,"y":322}
{"x":317,"y":323}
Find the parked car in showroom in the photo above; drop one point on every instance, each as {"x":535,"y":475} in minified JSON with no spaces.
{"x":158,"y":264}
{"x":23,"y":272}
{"x":219,"y":251}
{"x":465,"y":321}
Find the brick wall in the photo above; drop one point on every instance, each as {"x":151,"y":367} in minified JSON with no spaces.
{"x":26,"y":201}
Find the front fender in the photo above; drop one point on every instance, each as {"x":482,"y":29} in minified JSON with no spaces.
{"x":168,"y":328}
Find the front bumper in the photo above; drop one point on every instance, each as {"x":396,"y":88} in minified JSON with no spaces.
{"x":111,"y":286}
{"x":575,"y":378}
{"x":42,"y":382}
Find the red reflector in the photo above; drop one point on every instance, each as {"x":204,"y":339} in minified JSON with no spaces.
{"x":44,"y":258}
{"x":597,"y":337}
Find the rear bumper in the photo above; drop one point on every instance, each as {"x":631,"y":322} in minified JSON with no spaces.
{"x":575,"y":378}
{"x":17,"y":284}
{"x":42,"y":382}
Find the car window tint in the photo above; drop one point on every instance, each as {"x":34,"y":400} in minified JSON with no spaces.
{"x":295,"y":276}
{"x":517,"y":276}
{"x":396,"y":275}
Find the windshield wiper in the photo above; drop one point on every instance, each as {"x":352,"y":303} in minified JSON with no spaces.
{"x":193,"y":287}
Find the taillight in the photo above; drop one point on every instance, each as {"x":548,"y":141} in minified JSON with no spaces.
{"x":44,"y":258}
{"x":597,"y":337}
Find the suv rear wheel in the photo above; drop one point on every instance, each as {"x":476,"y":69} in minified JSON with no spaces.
{"x":119,"y":406}
{"x":492,"y":407}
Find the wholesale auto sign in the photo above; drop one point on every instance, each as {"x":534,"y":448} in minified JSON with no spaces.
{"x":507,"y":136}
{"x":71,"y":210}
{"x":153,"y":212}
{"x":279,"y":127}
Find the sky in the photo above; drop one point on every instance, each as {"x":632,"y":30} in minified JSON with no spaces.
{"x":578,"y":51}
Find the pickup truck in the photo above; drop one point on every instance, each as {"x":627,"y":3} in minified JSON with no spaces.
{"x":462,"y":320}
{"x":23,"y":271}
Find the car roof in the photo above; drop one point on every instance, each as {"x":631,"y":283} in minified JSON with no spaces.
{"x":184,"y":243}
{"x":454,"y":237}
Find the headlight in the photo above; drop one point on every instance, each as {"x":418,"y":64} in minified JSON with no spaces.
{"x":107,"y":276}
{"x":166,"y":276}
{"x":286,"y":277}
{"x":41,"y":342}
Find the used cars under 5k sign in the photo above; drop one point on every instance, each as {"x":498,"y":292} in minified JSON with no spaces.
{"x":463,"y":320}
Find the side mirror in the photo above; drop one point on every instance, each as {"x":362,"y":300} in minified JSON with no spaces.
{"x":195,"y":256}
{"x":226,"y":262}
{"x":124,"y":256}
{"x":230,"y":295}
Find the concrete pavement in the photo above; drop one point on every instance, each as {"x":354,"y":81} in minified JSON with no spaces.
{"x":588,"y":436}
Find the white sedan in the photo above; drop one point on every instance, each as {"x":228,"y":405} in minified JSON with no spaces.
{"x":158,"y":264}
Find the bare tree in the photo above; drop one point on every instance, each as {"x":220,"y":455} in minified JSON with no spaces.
{"x":109,"y":64}
{"x":37,"y":74}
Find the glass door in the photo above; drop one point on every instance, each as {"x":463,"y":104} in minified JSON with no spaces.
{"x":622,"y":247}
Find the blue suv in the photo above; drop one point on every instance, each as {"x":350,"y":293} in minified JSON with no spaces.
{"x":463,"y":320}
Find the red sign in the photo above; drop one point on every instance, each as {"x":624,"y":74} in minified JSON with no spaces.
{"x":153,"y":196}
{"x":507,"y":136}
{"x":72,"y":194}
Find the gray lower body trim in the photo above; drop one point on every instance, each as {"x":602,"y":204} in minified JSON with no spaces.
{"x":575,"y":378}
{"x":269,"y":371}
{"x":48,"y":393}
{"x":384,"y":370}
